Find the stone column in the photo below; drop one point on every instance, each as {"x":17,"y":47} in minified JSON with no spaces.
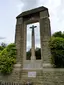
{"x":45,"y":34}
{"x":33,"y":44}
{"x":19,"y":39}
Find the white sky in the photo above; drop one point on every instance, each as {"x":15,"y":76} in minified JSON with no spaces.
{"x":9,"y":9}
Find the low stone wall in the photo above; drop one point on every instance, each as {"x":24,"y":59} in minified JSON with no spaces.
{"x":53,"y":76}
{"x":47,"y":76}
{"x":9,"y":83}
{"x":14,"y":83}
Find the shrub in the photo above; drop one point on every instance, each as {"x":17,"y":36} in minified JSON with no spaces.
{"x":57,"y":50}
{"x":7,"y":59}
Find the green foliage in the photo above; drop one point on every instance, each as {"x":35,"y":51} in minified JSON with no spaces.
{"x":57,"y":50}
{"x":2,"y":46}
{"x":28,"y":54}
{"x":38,"y":53}
{"x":7,"y":59}
{"x":58,"y":34}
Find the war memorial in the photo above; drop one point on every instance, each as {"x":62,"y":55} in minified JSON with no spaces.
{"x":33,"y":71}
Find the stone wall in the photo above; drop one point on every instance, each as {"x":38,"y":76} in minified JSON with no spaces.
{"x":47,"y":76}
{"x":53,"y":76}
{"x":10,"y":83}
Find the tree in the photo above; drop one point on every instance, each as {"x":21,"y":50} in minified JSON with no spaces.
{"x":57,"y":49}
{"x":7,"y":59}
{"x":58,"y":34}
{"x":2,"y":46}
{"x":38,"y":53}
{"x":28,"y":54}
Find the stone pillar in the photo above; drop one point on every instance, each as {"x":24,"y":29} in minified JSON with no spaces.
{"x":45,"y":34}
{"x":19,"y":39}
{"x":33,"y":45}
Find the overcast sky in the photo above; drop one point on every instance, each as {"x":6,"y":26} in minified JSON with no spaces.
{"x":9,"y":9}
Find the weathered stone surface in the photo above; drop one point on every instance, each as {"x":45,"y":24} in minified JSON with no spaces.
{"x":36,"y":10}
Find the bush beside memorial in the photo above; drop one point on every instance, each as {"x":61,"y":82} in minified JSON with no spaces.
{"x":7,"y":59}
{"x":57,"y":49}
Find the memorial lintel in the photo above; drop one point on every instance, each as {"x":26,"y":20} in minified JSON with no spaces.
{"x":39,"y":9}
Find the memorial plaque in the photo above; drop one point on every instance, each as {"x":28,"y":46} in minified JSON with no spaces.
{"x":31,"y":74}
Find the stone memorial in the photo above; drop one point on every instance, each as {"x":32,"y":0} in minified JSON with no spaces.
{"x":33,"y":71}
